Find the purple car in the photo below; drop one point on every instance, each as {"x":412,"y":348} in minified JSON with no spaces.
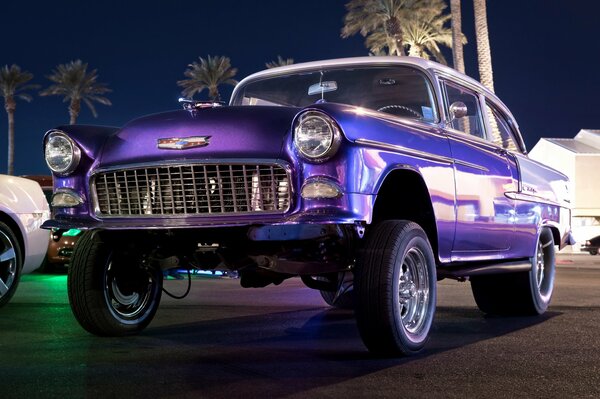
{"x":369,"y":178}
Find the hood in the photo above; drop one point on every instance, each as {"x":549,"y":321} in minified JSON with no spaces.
{"x":232,"y":132}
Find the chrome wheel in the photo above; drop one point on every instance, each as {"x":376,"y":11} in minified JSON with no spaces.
{"x":540,"y":265}
{"x":543,"y":268}
{"x":521,"y":293}
{"x":128,"y":292}
{"x":111,"y":292}
{"x":8,"y":263}
{"x":413,"y":290}
{"x":395,"y":286}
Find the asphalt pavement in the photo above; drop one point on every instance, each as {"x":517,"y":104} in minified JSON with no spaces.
{"x":224,"y":341}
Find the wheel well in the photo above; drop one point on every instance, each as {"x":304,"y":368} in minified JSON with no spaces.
{"x":555,"y":234}
{"x":4,"y":218}
{"x":404,"y":195}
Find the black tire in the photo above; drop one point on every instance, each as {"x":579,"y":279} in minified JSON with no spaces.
{"x":11,"y":263}
{"x":594,"y":251}
{"x":395,"y":288}
{"x":110,"y":292}
{"x":523,"y":293}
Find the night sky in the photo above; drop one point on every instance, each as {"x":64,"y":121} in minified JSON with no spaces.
{"x":545,"y":55}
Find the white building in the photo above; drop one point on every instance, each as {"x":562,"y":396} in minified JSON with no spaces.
{"x":579,"y":159}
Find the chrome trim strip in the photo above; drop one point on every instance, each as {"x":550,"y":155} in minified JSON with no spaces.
{"x":195,"y":161}
{"x":419,"y":154}
{"x":405,"y":150}
{"x":519,"y":196}
{"x":471,"y":165}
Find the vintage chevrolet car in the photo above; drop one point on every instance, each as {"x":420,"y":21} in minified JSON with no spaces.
{"x":370,"y":178}
{"x":23,"y":244}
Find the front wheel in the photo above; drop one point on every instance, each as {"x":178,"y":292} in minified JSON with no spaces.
{"x":10,"y":264}
{"x":110,"y":291}
{"x":395,"y":285}
{"x":594,"y":251}
{"x":522,"y":293}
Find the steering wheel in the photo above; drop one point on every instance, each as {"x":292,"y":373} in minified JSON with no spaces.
{"x":402,"y":107}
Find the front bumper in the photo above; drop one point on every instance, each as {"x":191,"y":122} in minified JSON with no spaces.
{"x":350,"y":208}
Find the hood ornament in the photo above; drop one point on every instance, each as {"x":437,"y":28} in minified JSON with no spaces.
{"x":176,"y":143}
{"x":193,"y":105}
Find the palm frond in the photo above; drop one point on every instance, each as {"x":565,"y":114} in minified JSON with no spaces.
{"x":75,"y":83}
{"x":14,"y":82}
{"x":280,"y":61}
{"x":389,"y":26}
{"x":209,"y":74}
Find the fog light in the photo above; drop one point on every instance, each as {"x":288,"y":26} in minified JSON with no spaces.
{"x":320,"y":189}
{"x":65,"y":198}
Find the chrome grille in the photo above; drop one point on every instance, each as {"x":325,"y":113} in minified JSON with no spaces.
{"x":206,"y":189}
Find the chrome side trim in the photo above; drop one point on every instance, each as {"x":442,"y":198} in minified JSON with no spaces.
{"x":405,"y":150}
{"x":419,"y":154}
{"x":471,"y":165}
{"x":519,"y":196}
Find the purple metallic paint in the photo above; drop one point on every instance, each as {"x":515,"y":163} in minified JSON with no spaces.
{"x":478,"y":223}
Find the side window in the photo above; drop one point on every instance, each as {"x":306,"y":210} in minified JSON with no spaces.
{"x":471,"y":123}
{"x":501,"y":132}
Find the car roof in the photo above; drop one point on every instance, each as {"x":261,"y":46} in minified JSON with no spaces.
{"x":372,"y":61}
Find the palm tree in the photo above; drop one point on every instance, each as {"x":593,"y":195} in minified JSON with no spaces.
{"x":76,"y":84}
{"x":13,"y":84}
{"x":426,"y":30}
{"x":209,"y":74}
{"x":279,"y":62}
{"x":484,"y":57}
{"x":458,"y":58}
{"x":380,"y":17}
{"x":391,"y":25}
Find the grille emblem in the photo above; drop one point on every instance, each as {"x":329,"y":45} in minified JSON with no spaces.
{"x":175,"y":143}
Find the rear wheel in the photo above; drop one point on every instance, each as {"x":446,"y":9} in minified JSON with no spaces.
{"x":395,"y":285}
{"x":523,"y":293}
{"x":594,"y":251}
{"x":10,"y":263}
{"x":111,"y":292}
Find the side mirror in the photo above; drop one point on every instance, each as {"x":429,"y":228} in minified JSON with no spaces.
{"x":458,"y":110}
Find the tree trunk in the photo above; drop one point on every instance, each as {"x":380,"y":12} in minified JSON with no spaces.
{"x":483,"y":44}
{"x":9,"y":106}
{"x":458,"y":59}
{"x":74,"y":109}
{"x":394,"y":32}
{"x":213,"y":93}
{"x":11,"y":141}
{"x":415,"y":51}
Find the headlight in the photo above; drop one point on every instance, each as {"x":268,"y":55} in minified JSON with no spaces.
{"x":316,"y":136}
{"x":62,"y":154}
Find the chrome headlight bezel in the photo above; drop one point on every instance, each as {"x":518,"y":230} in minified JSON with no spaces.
{"x":327,"y":145}
{"x":72,"y":155}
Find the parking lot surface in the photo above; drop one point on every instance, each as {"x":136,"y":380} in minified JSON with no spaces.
{"x":223,"y":341}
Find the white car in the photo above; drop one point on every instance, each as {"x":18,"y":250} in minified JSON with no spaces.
{"x":23,"y":244}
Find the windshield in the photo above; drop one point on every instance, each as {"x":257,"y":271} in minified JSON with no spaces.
{"x":398,"y":90}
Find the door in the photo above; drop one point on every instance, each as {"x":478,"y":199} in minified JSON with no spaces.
{"x":484,"y":215}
